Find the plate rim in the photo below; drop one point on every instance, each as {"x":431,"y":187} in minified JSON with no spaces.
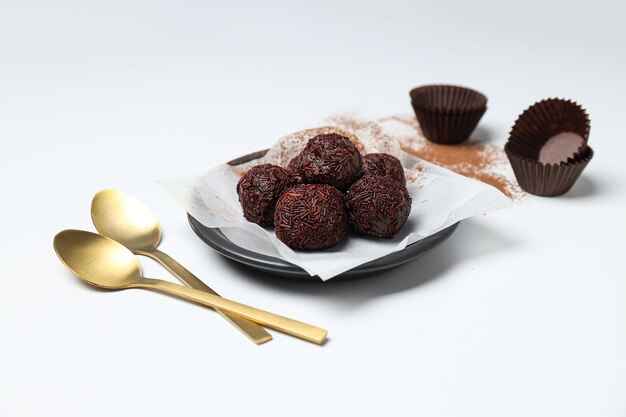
{"x":277,"y":266}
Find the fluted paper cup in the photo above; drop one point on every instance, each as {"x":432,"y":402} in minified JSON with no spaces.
{"x":545,"y":121}
{"x":547,"y":146}
{"x":447,"y":114}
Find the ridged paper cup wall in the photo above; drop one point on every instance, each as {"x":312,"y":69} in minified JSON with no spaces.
{"x":447,"y":114}
{"x":547,"y":146}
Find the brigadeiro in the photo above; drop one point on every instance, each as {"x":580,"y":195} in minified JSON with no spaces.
{"x":328,"y":159}
{"x":378,"y":206}
{"x":294,"y":168}
{"x":383,"y":165}
{"x":310,"y":217}
{"x":258,"y":191}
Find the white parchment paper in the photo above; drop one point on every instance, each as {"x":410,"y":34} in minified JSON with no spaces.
{"x":440,"y":199}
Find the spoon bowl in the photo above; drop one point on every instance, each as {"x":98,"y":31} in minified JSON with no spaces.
{"x":97,"y":260}
{"x":125,"y":219}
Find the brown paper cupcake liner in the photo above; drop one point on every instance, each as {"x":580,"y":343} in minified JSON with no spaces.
{"x":547,"y":179}
{"x":531,"y":132}
{"x":448,"y":128}
{"x":447,"y":114}
{"x":545,"y":119}
{"x":442,"y":97}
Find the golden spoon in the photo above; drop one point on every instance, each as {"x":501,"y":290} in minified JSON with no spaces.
{"x":103,"y":262}
{"x":128,"y":221}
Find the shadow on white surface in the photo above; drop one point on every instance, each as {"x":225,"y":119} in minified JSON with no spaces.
{"x":586,"y":187}
{"x":471,"y":240}
{"x":482,"y":134}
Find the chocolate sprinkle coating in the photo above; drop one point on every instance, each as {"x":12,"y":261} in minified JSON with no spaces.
{"x":310,"y":217}
{"x":383,"y":165}
{"x":294,"y":169}
{"x":259,"y":190}
{"x":378,"y":206}
{"x":328,"y":159}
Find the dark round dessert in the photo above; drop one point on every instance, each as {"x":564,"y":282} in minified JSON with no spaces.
{"x":328,"y":159}
{"x":258,"y":191}
{"x":378,"y":206}
{"x":294,"y":169}
{"x":310,"y":217}
{"x":383,"y":165}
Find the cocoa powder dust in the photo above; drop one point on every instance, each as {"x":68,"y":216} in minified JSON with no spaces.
{"x":482,"y":161}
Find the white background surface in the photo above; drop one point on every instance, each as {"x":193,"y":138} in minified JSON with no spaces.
{"x":520,"y":313}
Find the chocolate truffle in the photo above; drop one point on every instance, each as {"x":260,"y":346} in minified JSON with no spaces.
{"x":310,"y":217}
{"x":258,"y":191}
{"x":378,"y":206}
{"x":383,"y":165}
{"x":328,"y":159}
{"x":294,"y":169}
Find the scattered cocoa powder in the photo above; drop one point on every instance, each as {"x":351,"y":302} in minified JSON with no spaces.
{"x":471,"y":160}
{"x":481,"y":161}
{"x":240,"y":172}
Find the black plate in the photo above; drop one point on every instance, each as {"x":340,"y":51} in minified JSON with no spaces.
{"x":216,"y":239}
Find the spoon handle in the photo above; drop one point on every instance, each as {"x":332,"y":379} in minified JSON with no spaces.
{"x":252,"y":330}
{"x":283,"y":324}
